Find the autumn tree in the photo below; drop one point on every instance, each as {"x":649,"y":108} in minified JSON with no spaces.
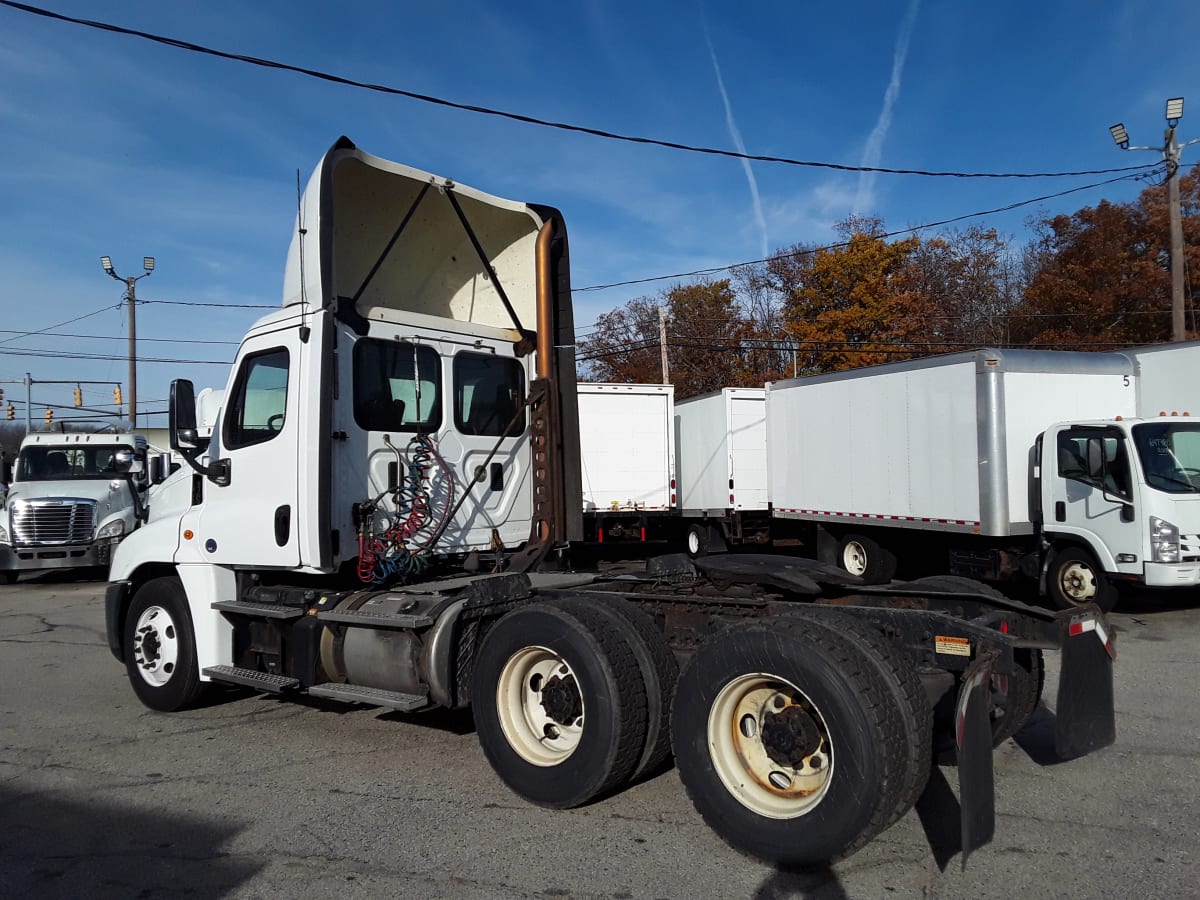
{"x":857,"y":303}
{"x":1101,"y":275}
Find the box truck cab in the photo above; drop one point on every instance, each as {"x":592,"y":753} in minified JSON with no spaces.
{"x":1125,"y":497}
{"x":72,"y":499}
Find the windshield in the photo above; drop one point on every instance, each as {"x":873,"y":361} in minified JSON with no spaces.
{"x":1170,"y":455}
{"x":81,"y":463}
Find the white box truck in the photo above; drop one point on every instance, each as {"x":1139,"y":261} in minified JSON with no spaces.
{"x":627,"y":461}
{"x":721,"y":441}
{"x":989,"y":462}
{"x":387,"y":511}
{"x":72,"y":498}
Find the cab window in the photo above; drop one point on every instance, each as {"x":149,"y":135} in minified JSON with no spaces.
{"x":1095,"y":457}
{"x":397,"y":386}
{"x":259,"y":406}
{"x":488,"y":391}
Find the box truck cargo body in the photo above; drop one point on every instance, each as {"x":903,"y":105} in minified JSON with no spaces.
{"x":1167,"y":378}
{"x":984,"y":463}
{"x":627,"y":460}
{"x":721,"y":441}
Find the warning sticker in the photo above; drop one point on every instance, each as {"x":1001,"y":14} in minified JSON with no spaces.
{"x":955,"y":646}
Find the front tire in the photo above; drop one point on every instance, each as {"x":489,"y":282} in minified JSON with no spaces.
{"x":560,"y":704}
{"x":7,"y":577}
{"x":789,"y":743}
{"x":160,"y":647}
{"x":1075,"y":579}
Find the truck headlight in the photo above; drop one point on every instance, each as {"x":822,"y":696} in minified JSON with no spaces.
{"x":116,"y":528}
{"x":1164,"y":541}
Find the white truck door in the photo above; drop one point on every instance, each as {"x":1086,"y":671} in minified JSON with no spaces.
{"x":1087,"y":488}
{"x":253,"y":520}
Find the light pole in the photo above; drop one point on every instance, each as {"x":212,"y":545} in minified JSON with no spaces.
{"x":1171,"y":151}
{"x":131,"y":296}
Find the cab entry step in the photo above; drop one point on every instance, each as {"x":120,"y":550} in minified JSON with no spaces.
{"x":262,"y":681}
{"x":262,"y":610}
{"x":357,"y":693}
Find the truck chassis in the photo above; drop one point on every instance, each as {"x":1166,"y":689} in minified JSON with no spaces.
{"x":802,"y":706}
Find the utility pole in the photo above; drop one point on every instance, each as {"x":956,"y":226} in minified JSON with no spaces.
{"x":131,"y":298}
{"x":28,"y":405}
{"x":662,"y":344}
{"x":1171,"y":151}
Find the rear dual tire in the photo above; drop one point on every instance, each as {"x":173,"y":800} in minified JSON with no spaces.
{"x":792,"y":744}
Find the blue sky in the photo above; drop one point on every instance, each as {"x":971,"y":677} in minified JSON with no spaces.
{"x":113,"y":145}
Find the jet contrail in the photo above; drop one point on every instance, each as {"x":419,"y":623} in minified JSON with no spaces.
{"x":737,"y":142}
{"x":874,"y":149}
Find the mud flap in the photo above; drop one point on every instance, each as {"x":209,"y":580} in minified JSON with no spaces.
{"x":1085,"y":720}
{"x":973,"y":737}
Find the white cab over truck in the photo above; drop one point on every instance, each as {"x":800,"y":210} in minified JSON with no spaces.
{"x":627,"y":461}
{"x":72,"y":498}
{"x":386,"y":514}
{"x":990,"y":462}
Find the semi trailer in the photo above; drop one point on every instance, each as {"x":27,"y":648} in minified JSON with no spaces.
{"x":386,"y":513}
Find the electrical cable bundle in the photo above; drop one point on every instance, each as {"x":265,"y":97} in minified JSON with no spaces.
{"x":401,"y":549}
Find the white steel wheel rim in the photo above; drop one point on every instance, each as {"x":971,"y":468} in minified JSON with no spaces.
{"x":693,"y":541}
{"x":522,"y":694}
{"x":763,"y":784}
{"x":854,"y":558}
{"x":1078,"y":582}
{"x":156,"y":646}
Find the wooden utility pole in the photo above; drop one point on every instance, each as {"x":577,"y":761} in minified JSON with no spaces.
{"x":662,"y":344}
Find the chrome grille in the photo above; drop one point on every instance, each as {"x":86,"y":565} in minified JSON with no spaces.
{"x":1189,"y":547}
{"x":68,"y":521}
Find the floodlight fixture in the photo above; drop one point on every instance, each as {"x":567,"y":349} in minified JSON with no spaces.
{"x":1120,"y":135}
{"x":106,"y":264}
{"x":1174,"y":111}
{"x":148,"y":263}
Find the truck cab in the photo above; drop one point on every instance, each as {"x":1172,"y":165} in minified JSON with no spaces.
{"x":72,"y":499}
{"x":1124,"y":497}
{"x":394,"y":414}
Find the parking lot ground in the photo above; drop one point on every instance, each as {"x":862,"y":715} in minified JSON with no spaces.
{"x":252,"y":796}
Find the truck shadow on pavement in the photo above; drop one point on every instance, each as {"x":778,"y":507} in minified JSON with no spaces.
{"x":55,"y":846}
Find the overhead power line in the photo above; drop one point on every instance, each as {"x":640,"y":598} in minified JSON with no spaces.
{"x":214,"y":305}
{"x":18,"y":336}
{"x":530,"y":120}
{"x":842,"y":244}
{"x":113,"y":337}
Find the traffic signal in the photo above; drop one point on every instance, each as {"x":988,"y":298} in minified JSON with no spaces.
{"x":49,"y":415}
{"x":12,"y":413}
{"x":117,"y":395}
{"x":78,"y":396}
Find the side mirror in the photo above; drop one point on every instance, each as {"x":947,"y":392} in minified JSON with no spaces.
{"x":182,"y":416}
{"x":160,"y":467}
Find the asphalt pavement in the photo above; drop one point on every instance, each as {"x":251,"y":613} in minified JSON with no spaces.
{"x":253,"y":796}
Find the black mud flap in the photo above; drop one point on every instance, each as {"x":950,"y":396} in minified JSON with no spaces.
{"x":1085,"y":720}
{"x":973,"y":737}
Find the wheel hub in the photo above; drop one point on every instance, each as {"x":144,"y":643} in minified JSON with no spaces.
{"x":150,"y":647}
{"x":561,"y":700}
{"x":789,"y":737}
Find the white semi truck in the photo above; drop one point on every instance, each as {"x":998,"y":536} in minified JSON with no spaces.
{"x":386,"y":513}
{"x":996,"y":461}
{"x":72,"y":498}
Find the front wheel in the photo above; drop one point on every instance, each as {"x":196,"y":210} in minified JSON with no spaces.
{"x":1075,"y":579}
{"x":160,"y":649}
{"x":9,"y":577}
{"x":789,"y":743}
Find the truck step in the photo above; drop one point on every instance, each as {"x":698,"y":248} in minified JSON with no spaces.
{"x":263,"y":681}
{"x":357,"y":693}
{"x":375,"y":620}
{"x":260,"y":610}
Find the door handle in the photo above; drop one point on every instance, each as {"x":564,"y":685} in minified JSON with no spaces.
{"x":497,"y":477}
{"x":283,"y":525}
{"x":1060,"y":511}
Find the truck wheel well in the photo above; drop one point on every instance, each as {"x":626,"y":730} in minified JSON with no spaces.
{"x":140,"y":576}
